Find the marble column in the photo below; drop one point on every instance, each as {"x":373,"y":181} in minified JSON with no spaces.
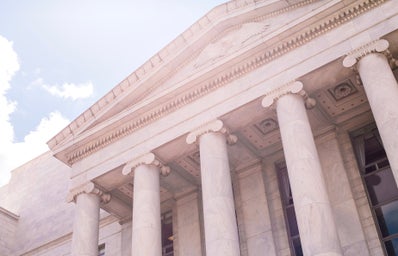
{"x":86,"y":223}
{"x":382,"y":92}
{"x":314,"y":215}
{"x":221,"y":232}
{"x":146,"y":226}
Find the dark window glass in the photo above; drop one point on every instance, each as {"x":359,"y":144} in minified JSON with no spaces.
{"x":387,"y":216}
{"x":291,"y":218}
{"x":288,"y":207}
{"x":392,"y":247}
{"x":101,"y":250}
{"x":380,"y":186}
{"x":297,"y":247}
{"x":167,"y":234}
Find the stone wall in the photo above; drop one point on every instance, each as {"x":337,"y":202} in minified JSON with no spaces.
{"x":8,"y":224}
{"x":350,"y":231}
{"x":37,"y":193}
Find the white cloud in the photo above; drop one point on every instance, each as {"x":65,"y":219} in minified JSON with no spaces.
{"x":67,"y":90}
{"x":13,"y":154}
{"x":34,"y":144}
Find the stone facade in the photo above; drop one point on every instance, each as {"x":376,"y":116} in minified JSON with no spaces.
{"x":266,"y":127}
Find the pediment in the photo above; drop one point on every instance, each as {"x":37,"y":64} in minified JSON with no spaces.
{"x":228,"y":42}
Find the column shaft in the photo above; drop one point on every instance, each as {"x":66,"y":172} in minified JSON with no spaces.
{"x":221,"y":233}
{"x":86,"y":225}
{"x":382,"y":91}
{"x":313,"y":211}
{"x":146,"y":238}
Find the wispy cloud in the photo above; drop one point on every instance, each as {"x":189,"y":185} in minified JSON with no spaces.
{"x":67,"y":90}
{"x":13,"y":154}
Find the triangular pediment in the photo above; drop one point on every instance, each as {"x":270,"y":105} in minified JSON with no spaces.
{"x":230,"y":40}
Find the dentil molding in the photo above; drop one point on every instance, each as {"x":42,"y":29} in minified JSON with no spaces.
{"x":273,"y":52}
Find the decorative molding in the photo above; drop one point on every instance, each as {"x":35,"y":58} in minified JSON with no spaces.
{"x":213,"y":126}
{"x":266,"y":126}
{"x":274,"y":51}
{"x":342,"y":90}
{"x":88,"y":188}
{"x":165,"y":55}
{"x":355,"y":55}
{"x":294,"y":87}
{"x":147,"y":159}
{"x":9,"y":214}
{"x":392,"y":61}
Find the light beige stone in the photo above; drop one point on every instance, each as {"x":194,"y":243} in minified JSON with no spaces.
{"x":314,"y":215}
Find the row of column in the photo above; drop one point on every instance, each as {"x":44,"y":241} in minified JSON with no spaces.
{"x":315,"y":219}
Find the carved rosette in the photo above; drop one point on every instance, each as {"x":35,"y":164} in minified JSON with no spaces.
{"x":213,"y":126}
{"x":88,"y":188}
{"x":294,"y":87}
{"x":147,"y":159}
{"x":377,"y":46}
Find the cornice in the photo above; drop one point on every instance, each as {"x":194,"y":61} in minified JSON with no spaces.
{"x":213,"y":126}
{"x":146,"y":159}
{"x":167,"y":53}
{"x":261,"y":58}
{"x":9,"y":214}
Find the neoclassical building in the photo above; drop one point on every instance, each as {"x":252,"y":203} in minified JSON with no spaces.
{"x":266,"y":128}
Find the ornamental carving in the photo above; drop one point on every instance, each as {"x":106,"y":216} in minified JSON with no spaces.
{"x":255,"y":61}
{"x":266,"y":126}
{"x":342,"y":90}
{"x":294,"y":87}
{"x":213,"y":126}
{"x":88,"y":188}
{"x":147,"y":159}
{"x":373,"y":47}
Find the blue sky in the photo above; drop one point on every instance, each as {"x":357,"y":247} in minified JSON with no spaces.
{"x":58,"y":57}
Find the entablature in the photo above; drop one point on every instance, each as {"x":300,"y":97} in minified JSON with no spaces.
{"x":205,"y":84}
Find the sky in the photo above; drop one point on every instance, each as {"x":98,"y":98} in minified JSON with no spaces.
{"x":57,"y":58}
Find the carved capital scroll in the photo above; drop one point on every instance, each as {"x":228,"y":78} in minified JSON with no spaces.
{"x":294,"y":87}
{"x":147,"y":159}
{"x":377,"y":46}
{"x":88,"y":188}
{"x":213,"y":126}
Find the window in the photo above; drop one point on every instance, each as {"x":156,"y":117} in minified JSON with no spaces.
{"x":379,"y":184}
{"x":288,"y":207}
{"x":167,"y":234}
{"x":101,"y":250}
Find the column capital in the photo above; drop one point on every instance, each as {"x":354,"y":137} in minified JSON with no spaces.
{"x":213,"y":126}
{"x":293,"y":87}
{"x":147,"y":159}
{"x":88,"y":188}
{"x":376,"y":46}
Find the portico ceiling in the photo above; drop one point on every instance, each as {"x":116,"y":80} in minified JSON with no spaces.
{"x":340,"y":97}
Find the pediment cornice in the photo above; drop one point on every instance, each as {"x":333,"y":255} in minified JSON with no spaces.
{"x":70,"y":146}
